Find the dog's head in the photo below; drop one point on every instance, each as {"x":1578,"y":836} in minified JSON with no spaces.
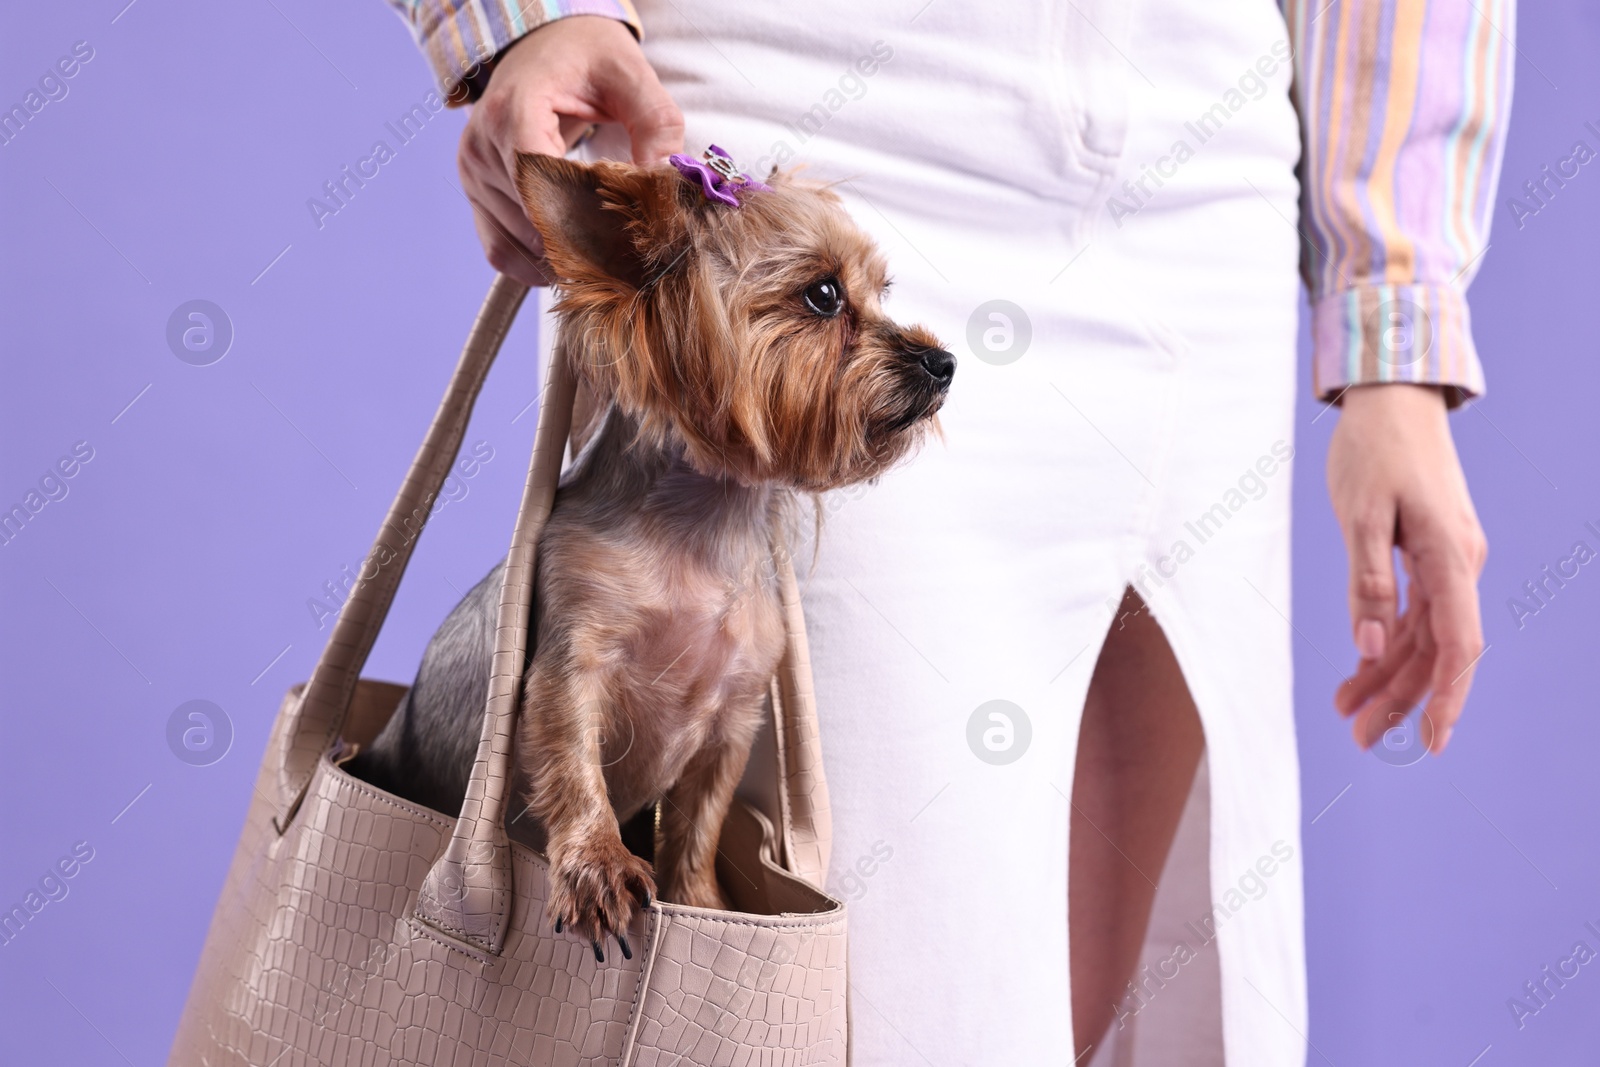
{"x":750,"y":336}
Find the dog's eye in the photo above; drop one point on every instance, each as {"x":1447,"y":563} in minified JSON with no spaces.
{"x":825,"y":297}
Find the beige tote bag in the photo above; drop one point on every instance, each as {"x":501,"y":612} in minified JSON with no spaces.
{"x":358,"y":928}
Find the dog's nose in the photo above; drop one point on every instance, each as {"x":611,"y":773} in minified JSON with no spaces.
{"x":940,"y":365}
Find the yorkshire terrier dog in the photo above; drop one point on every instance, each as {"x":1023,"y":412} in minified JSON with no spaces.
{"x":734,"y":333}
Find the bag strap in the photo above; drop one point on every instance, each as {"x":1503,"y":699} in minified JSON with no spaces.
{"x":315,"y":721}
{"x":806,"y":820}
{"x":467,"y":892}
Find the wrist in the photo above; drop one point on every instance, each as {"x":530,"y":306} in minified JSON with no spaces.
{"x":478,"y":80}
{"x":1402,"y":396}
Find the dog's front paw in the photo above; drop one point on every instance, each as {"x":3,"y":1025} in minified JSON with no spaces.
{"x":596,"y":886}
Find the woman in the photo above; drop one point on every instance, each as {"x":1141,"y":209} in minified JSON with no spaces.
{"x":1026,"y":639}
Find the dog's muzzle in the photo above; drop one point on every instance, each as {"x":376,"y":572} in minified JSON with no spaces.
{"x":937,"y":364}
{"x":929,"y":372}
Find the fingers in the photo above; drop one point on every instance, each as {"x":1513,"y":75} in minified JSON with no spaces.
{"x":509,"y":240}
{"x":1457,"y":629}
{"x":504,"y":255}
{"x":1390,"y":705}
{"x":653,"y":121}
{"x":515,"y":114}
{"x":1370,"y":540}
{"x":1373,"y":675}
{"x":630,"y":93}
{"x":1436,"y":649}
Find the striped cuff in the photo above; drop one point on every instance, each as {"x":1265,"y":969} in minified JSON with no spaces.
{"x":462,"y":37}
{"x":1394,"y":333}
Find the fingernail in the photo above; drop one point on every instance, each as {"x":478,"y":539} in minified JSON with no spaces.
{"x":599,"y":957}
{"x":622,"y":943}
{"x":1369,"y":639}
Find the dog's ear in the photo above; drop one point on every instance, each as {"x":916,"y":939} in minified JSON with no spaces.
{"x":603,"y":220}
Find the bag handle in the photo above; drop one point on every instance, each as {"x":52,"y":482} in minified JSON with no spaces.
{"x":467,"y":892}
{"x":315,"y":721}
{"x":805,"y":818}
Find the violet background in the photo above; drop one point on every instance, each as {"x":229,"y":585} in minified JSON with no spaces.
{"x":179,"y":565}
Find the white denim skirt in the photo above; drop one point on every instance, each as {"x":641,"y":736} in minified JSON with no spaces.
{"x":1093,"y":205}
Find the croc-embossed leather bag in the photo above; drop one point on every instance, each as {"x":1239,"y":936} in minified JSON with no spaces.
{"x":358,"y":928}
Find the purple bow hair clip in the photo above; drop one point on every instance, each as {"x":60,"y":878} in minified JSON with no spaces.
{"x":719,"y":176}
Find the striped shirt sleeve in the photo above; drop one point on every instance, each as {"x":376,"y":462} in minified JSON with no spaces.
{"x":462,"y":37}
{"x":1403,"y":105}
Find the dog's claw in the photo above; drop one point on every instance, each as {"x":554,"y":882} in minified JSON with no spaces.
{"x":558,"y":924}
{"x":595,"y":886}
{"x":647,"y":899}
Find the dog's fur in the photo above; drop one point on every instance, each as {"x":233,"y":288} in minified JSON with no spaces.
{"x":657,"y":625}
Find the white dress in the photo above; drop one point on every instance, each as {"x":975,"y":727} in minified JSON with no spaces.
{"x":1121,"y":415}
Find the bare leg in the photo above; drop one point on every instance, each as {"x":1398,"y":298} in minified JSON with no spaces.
{"x":1137,"y":753}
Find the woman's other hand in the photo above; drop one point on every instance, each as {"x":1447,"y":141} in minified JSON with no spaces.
{"x":1396,"y":482}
